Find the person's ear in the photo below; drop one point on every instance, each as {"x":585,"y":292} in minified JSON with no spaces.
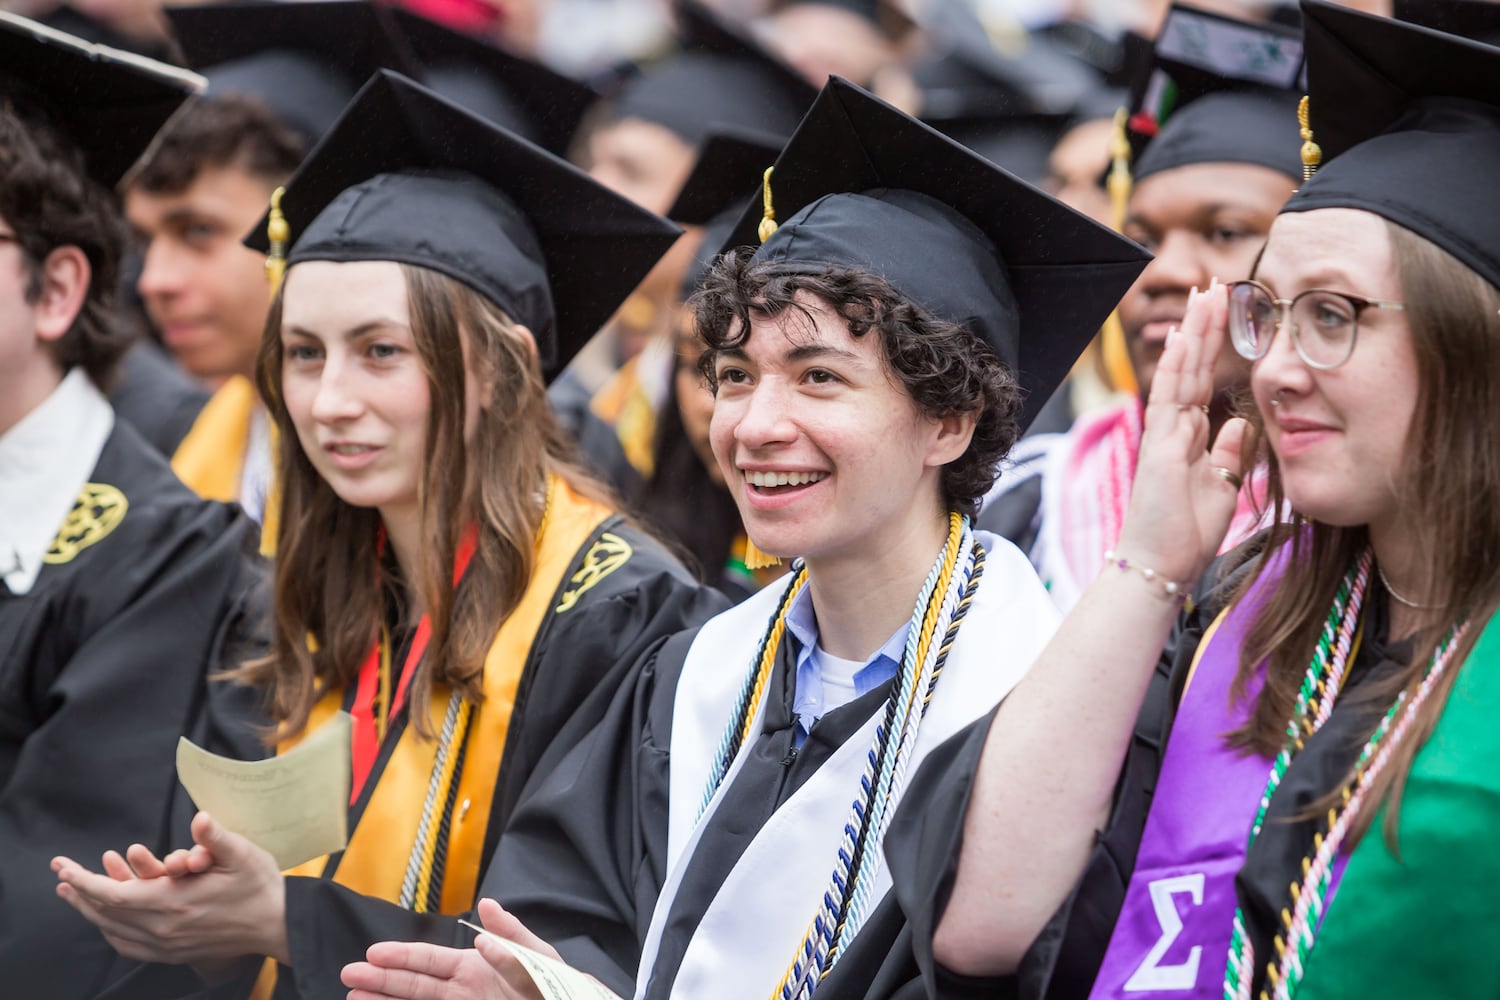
{"x":65,"y":286}
{"x":953,"y":432}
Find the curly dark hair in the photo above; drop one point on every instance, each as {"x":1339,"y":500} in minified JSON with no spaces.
{"x":943,"y":366}
{"x":48,"y":198}
{"x":220,"y":131}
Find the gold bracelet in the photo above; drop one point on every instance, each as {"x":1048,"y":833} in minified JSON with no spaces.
{"x":1171,"y":589}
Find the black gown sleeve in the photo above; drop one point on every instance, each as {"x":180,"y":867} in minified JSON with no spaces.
{"x":579,"y":661}
{"x":926,"y":834}
{"x":584,"y":858}
{"x":103,"y":665}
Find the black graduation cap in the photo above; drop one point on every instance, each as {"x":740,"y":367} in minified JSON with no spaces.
{"x":303,"y":60}
{"x":408,"y":176}
{"x":515,"y":93}
{"x":111,"y":103}
{"x":1407,"y":121}
{"x":726,"y":177}
{"x":860,"y":184}
{"x":969,"y":77}
{"x":1219,"y":91}
{"x":721,"y":78}
{"x":1476,"y":19}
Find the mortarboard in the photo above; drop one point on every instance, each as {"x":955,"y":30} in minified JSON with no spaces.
{"x":1218,"y":91}
{"x":725,"y":178}
{"x":721,"y":78}
{"x":972,"y":77}
{"x":303,"y":60}
{"x":1476,"y":19}
{"x":405,"y":175}
{"x":1408,"y":127}
{"x":111,"y":103}
{"x":860,"y":184}
{"x":512,"y":92}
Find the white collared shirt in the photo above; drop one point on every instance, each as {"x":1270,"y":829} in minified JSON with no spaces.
{"x":44,"y":462}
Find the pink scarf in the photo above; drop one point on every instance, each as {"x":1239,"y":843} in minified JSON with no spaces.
{"x":1085,"y":491}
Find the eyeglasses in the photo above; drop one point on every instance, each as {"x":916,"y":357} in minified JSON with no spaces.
{"x":1324,"y":323}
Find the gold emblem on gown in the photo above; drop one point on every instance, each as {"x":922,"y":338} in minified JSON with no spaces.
{"x":605,"y":556}
{"x":98,"y":510}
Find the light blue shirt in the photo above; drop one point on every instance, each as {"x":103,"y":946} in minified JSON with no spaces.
{"x":808,"y":703}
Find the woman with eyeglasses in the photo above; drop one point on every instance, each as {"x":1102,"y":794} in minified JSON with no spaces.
{"x":1298,"y":797}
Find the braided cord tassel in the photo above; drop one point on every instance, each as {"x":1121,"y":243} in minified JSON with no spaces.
{"x":1323,"y":681}
{"x":1311,"y":899}
{"x":955,"y":606}
{"x":753,"y":691}
{"x":419,"y":851}
{"x":949,"y":587}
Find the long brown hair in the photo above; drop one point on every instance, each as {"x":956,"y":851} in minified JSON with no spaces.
{"x":329,"y":598}
{"x":1448,"y":489}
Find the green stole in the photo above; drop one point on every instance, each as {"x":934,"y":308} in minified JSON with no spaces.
{"x":1424,"y":922}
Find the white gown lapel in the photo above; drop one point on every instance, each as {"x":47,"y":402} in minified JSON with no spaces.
{"x":758,"y":918}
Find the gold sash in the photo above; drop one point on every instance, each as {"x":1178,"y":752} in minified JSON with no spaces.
{"x":375,"y":860}
{"x":211,"y":458}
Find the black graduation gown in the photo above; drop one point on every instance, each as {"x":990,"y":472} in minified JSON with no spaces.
{"x":583,"y":862}
{"x":103,"y":664}
{"x":576,"y":663}
{"x":927,"y":831}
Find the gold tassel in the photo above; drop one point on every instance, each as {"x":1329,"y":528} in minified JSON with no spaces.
{"x":768,"y":220}
{"x":1312,"y":153}
{"x":278,"y":232}
{"x":755,"y":558}
{"x":1117,"y":367}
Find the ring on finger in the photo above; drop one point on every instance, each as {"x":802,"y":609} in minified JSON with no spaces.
{"x":1229,"y":476}
{"x":1192,"y":406}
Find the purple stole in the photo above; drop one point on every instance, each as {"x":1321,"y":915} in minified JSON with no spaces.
{"x":1172,"y":937}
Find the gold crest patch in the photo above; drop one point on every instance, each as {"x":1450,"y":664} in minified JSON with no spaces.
{"x":98,"y":510}
{"x":608,"y":554}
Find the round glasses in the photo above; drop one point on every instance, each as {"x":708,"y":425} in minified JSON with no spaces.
{"x":1323,"y":323}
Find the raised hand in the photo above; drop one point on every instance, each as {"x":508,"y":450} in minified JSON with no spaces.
{"x":1184,"y":493}
{"x":222,"y":900}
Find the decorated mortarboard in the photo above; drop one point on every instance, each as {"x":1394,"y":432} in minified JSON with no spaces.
{"x":111,"y":104}
{"x":302,"y":60}
{"x":725,"y":178}
{"x":1405,"y":124}
{"x":862,"y":185}
{"x":1476,"y":19}
{"x":516,"y":93}
{"x":721,"y":78}
{"x":1218,"y":91}
{"x":408,"y":176}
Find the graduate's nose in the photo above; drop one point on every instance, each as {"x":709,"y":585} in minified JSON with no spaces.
{"x":163,"y":271}
{"x":337,"y":399}
{"x":765,"y":417}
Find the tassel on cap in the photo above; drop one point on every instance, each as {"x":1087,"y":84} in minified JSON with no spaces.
{"x":278,"y":233}
{"x":1312,"y":153}
{"x":754,"y":557}
{"x":768,"y":220}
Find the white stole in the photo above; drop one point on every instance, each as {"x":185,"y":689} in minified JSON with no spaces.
{"x":751,"y":930}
